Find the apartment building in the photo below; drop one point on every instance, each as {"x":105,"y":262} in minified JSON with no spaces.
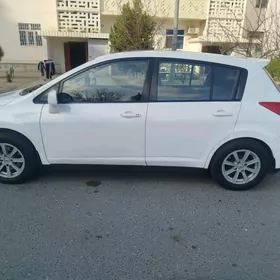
{"x":73,"y":31}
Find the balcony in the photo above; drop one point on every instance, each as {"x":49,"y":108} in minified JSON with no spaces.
{"x":193,"y":9}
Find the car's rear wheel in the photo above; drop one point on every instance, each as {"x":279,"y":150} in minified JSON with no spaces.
{"x":18,"y":159}
{"x":241,"y":164}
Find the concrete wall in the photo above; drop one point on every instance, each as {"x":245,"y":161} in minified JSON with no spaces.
{"x":194,"y":47}
{"x":56,"y":50}
{"x":97,"y":48}
{"x":13,"y":12}
{"x":191,"y":9}
{"x":254,"y":17}
{"x":44,"y":12}
{"x":23,"y":69}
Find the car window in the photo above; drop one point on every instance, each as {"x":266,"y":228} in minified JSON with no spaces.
{"x":121,"y":81}
{"x":225,"y":82}
{"x":188,"y":81}
{"x":179,"y":81}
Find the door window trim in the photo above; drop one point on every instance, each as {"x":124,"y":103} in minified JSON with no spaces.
{"x":146,"y":87}
{"x":36,"y":99}
{"x":238,"y":91}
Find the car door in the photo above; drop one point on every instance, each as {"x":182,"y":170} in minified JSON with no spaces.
{"x":102,"y":115}
{"x":193,"y":106}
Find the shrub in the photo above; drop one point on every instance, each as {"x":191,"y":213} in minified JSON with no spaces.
{"x":274,"y":69}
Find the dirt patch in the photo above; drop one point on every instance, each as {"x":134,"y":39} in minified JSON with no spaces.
{"x":93,"y":183}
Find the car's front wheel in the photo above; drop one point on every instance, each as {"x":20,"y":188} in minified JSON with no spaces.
{"x":241,"y":164}
{"x":18,"y":159}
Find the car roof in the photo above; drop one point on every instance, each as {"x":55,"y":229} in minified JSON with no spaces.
{"x":205,"y":57}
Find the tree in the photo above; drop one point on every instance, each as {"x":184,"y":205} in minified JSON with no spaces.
{"x":258,"y":35}
{"x":134,"y":29}
{"x":1,"y":53}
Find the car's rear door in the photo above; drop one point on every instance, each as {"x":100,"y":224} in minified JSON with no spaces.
{"x":193,"y":106}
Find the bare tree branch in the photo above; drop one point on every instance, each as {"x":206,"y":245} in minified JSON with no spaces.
{"x":258,"y":33}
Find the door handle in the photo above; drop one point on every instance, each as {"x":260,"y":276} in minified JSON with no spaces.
{"x":222,"y":113}
{"x":130,"y":114}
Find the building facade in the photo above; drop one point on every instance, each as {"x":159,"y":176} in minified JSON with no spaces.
{"x":73,"y":31}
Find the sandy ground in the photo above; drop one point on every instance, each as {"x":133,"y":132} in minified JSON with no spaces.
{"x":17,"y":83}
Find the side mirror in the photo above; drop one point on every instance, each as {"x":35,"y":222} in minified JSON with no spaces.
{"x":52,"y":101}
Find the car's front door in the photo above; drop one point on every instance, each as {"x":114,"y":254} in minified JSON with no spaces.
{"x":102,"y":115}
{"x":193,"y":107}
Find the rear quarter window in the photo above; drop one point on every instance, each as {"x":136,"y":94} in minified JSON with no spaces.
{"x":225,"y":82}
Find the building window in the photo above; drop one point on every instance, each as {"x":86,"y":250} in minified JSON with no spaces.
{"x":261,"y":3}
{"x":38,"y":39}
{"x":28,"y":34}
{"x":31,"y":38}
{"x":22,"y":38}
{"x":255,"y":35}
{"x":180,"y":39}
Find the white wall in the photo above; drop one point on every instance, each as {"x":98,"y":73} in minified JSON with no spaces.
{"x":194,"y":47}
{"x":13,"y":12}
{"x":97,"y":48}
{"x":254,"y":16}
{"x":191,"y":9}
{"x":44,"y":12}
{"x":273,"y":26}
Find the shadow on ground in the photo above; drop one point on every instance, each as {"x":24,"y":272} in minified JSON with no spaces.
{"x":125,"y":173}
{"x":95,"y":175}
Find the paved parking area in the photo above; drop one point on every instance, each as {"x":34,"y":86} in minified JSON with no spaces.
{"x":131,"y":223}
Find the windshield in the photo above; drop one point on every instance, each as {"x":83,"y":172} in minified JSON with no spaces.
{"x":277,"y":85}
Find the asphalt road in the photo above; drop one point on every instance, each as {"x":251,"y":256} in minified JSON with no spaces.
{"x":130,"y":224}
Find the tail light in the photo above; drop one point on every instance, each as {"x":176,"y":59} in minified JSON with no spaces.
{"x":272,"y":106}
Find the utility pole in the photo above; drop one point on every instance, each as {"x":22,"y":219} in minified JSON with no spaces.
{"x":175,"y":28}
{"x":174,"y":39}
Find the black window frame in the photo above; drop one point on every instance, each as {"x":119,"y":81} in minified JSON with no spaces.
{"x":36,"y":99}
{"x":146,"y":87}
{"x":180,"y":35}
{"x":239,"y":87}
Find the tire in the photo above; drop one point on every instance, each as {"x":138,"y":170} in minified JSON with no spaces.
{"x":23,"y":164}
{"x":224,"y":166}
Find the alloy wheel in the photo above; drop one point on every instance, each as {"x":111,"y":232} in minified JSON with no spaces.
{"x":12,"y":162}
{"x":241,"y":167}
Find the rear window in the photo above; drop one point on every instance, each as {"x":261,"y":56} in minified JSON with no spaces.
{"x":277,"y":85}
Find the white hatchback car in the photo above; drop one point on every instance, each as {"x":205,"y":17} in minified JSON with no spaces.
{"x":153,"y":108}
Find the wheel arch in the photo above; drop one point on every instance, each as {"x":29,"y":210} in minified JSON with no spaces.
{"x":263,"y":143}
{"x":18,"y":134}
